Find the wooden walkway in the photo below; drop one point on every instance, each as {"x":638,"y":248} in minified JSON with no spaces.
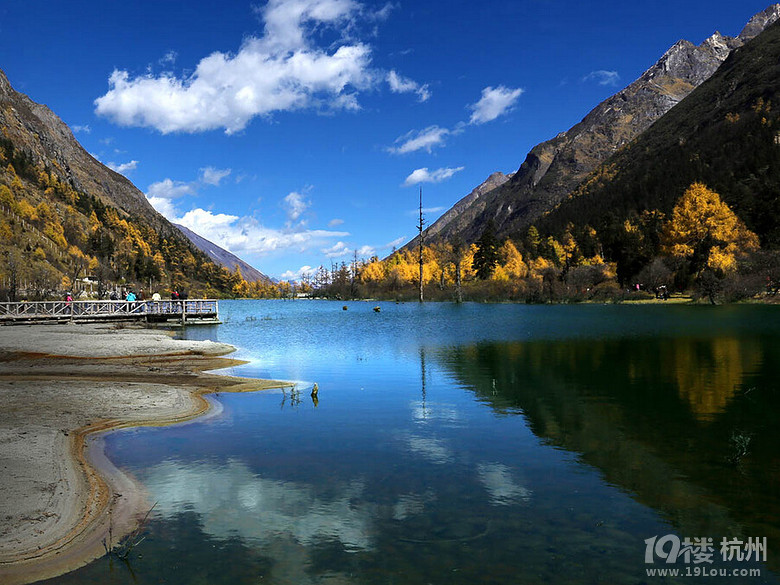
{"x":187,"y":311}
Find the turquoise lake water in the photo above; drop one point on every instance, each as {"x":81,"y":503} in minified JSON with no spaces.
{"x":471,"y":444}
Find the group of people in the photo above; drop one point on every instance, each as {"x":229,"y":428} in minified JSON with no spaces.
{"x":129,"y":295}
{"x":661,"y":292}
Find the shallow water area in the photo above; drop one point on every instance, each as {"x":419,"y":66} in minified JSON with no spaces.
{"x":465,"y":444}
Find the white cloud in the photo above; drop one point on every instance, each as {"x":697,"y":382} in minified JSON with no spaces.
{"x":423,"y":175}
{"x":603,"y":77}
{"x":213,"y":176}
{"x":169,"y":58}
{"x":494,"y":103}
{"x":122,"y":168}
{"x":415,"y":212}
{"x":164,"y":206}
{"x":162,"y":193}
{"x":335,"y":221}
{"x":247,"y":235}
{"x":161,"y":196}
{"x":342,"y":250}
{"x":395,"y":243}
{"x":384,"y":12}
{"x":426,"y":139}
{"x":296,"y":204}
{"x":282,"y":70}
{"x":400,"y":84}
{"x":169,"y":189}
{"x":81,"y":128}
{"x":337,"y":250}
{"x":303,"y":271}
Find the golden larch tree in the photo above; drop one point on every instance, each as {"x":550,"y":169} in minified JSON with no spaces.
{"x":511,"y":260}
{"x":704,"y":230}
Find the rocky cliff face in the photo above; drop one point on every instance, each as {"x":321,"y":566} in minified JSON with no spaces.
{"x":759,"y":22}
{"x":554,"y":168}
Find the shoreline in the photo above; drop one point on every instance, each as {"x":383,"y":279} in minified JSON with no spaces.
{"x":61,"y":493}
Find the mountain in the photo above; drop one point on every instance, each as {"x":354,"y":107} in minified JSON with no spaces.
{"x":36,"y":130}
{"x":64,"y":215}
{"x":556,"y":167}
{"x":725,"y":134}
{"x":466,"y":210}
{"x":223,"y":257}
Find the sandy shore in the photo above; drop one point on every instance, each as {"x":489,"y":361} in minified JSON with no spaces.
{"x":58,"y":385}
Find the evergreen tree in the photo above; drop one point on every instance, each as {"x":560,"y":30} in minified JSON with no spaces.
{"x":486,"y":255}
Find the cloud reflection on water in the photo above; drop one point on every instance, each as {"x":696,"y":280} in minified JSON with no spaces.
{"x":434,"y":450}
{"x":500,"y":484}
{"x":233,"y":501}
{"x":436,"y":411}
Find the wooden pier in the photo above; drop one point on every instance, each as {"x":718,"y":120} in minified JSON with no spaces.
{"x":195,"y":311}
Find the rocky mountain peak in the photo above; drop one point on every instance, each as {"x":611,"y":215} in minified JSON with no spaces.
{"x":554,"y":168}
{"x":720,"y":45}
{"x":5,"y":85}
{"x":691,"y":63}
{"x":759,"y":22}
{"x":494,"y":180}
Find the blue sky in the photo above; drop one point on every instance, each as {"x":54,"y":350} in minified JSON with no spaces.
{"x":293,"y":132}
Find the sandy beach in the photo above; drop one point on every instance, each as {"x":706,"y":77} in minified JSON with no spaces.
{"x":61,"y":384}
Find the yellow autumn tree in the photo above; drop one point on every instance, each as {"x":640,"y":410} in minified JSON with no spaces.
{"x":557,"y":251}
{"x":27,"y":211}
{"x":6,"y":198}
{"x":571,"y":248}
{"x":373,"y":272}
{"x":240,"y":286}
{"x":402,"y":268}
{"x":538,"y":267}
{"x":80,"y":264}
{"x":512,"y":261}
{"x":467,"y":264}
{"x":431,"y":266}
{"x":705,"y":231}
{"x":94,"y":223}
{"x":55,"y":232}
{"x":6,"y":233}
{"x":159,"y":264}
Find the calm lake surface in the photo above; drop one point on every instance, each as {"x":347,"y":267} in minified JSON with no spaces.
{"x":469,"y":444}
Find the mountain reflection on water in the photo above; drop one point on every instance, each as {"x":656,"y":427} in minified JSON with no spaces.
{"x":475,"y":444}
{"x":659,"y":417}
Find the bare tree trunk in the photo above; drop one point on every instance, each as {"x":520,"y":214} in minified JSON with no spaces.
{"x":458,"y":289}
{"x":421,"y":236}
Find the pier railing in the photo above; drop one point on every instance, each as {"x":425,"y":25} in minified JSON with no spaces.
{"x":196,"y":310}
